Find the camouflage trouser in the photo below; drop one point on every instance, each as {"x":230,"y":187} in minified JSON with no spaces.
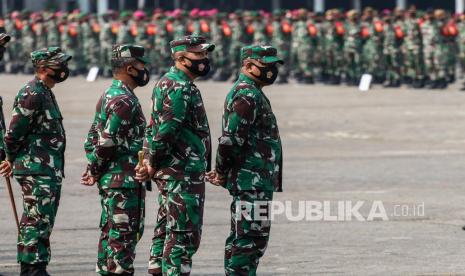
{"x":353,"y":65}
{"x":177,"y":232}
{"x":41,"y":196}
{"x":249,"y":236}
{"x":122,"y":225}
{"x":393,"y":65}
{"x":413,"y":64}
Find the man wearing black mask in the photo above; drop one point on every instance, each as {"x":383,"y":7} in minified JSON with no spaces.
{"x":35,"y":145}
{"x":249,"y":159}
{"x":178,"y":155}
{"x":112,"y":145}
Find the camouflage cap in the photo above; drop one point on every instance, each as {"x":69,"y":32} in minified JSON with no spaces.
{"x":4,"y":38}
{"x":191,"y":43}
{"x":49,"y":56}
{"x":264,"y":54}
{"x":129,"y":51}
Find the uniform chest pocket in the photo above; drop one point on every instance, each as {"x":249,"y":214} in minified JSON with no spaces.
{"x":52,"y":122}
{"x":267,"y":125}
{"x":199,"y":116}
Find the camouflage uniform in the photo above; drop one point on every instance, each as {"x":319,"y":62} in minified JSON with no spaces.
{"x":237,"y":42}
{"x":373,"y":61}
{"x":221,"y":37}
{"x":179,"y":148}
{"x":14,"y":60}
{"x":393,"y":44}
{"x":3,"y":40}
{"x":332,"y":49}
{"x":112,"y":145}
{"x":250,"y":157}
{"x":304,"y":47}
{"x":106,"y":40}
{"x":413,"y":53}
{"x":352,"y":50}
{"x":161,"y":52}
{"x":281,"y":39}
{"x":35,"y":144}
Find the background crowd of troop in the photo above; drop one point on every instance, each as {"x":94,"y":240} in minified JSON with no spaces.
{"x":417,"y":48}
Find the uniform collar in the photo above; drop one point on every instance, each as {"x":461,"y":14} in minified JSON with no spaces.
{"x":180,"y":74}
{"x":120,"y":84}
{"x":244,"y":78}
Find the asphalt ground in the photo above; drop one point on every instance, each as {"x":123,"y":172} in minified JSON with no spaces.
{"x":399,"y":149}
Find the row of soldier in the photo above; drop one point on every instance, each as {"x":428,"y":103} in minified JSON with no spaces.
{"x":124,"y":155}
{"x":396,"y":47}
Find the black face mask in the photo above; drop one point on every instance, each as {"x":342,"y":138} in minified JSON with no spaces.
{"x":60,"y":74}
{"x":142,"y":78}
{"x":197,"y":64}
{"x":268,"y":74}
{"x":2,"y":51}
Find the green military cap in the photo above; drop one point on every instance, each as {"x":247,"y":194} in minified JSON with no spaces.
{"x":49,"y":56}
{"x":129,"y":51}
{"x":125,"y":14}
{"x":4,"y":38}
{"x":191,"y":43}
{"x":264,"y":54}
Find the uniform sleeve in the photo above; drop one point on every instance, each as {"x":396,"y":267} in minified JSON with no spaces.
{"x":148,"y":137}
{"x":92,"y":135}
{"x":172,"y":116}
{"x":119,"y":112}
{"x":235,"y":132}
{"x":26,"y":108}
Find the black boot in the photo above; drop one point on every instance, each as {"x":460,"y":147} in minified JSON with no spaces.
{"x":39,"y":269}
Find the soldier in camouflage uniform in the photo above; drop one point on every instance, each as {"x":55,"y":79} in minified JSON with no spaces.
{"x":394,"y":38}
{"x":373,"y":61}
{"x":305,"y":43}
{"x":249,"y":159}
{"x":35,"y":144}
{"x":237,"y":41}
{"x":91,"y":45}
{"x":13,"y":58}
{"x":281,"y":39}
{"x":441,"y":51}
{"x":28,"y":44}
{"x":430,"y":34}
{"x":161,"y":52}
{"x":221,"y":37}
{"x":178,"y":154}
{"x":106,"y":39}
{"x":352,"y":49}
{"x":332,"y":48}
{"x":4,"y":38}
{"x":53,"y":32}
{"x":124,"y":30}
{"x":112,"y":145}
{"x":413,"y":51}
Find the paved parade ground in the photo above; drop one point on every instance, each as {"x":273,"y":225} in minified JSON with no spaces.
{"x":399,"y":150}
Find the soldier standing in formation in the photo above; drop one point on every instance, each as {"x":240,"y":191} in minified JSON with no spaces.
{"x":249,"y":158}
{"x":112,"y":146}
{"x":34,"y":145}
{"x":178,"y":154}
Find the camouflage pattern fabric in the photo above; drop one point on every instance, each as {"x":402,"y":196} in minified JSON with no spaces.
{"x":248,"y":237}
{"x":41,"y":197}
{"x":178,"y":136}
{"x":249,"y":150}
{"x":121,"y":225}
{"x":177,"y":232}
{"x":112,"y":145}
{"x":35,"y":141}
{"x":115,"y":137}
